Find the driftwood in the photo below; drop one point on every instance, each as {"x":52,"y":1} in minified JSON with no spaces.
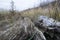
{"x":23,"y":29}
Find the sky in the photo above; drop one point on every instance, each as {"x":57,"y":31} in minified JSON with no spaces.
{"x":20,"y":4}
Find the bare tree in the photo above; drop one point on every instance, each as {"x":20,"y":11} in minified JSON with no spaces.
{"x":12,"y":6}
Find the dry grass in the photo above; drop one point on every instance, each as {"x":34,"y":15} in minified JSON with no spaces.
{"x":50,"y":11}
{"x":33,"y":13}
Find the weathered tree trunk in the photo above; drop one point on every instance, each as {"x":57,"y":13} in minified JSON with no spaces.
{"x":23,"y":29}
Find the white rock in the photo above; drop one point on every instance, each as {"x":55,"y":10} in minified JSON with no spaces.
{"x":48,"y":21}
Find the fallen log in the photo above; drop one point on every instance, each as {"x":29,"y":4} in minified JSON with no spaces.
{"x":23,"y":29}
